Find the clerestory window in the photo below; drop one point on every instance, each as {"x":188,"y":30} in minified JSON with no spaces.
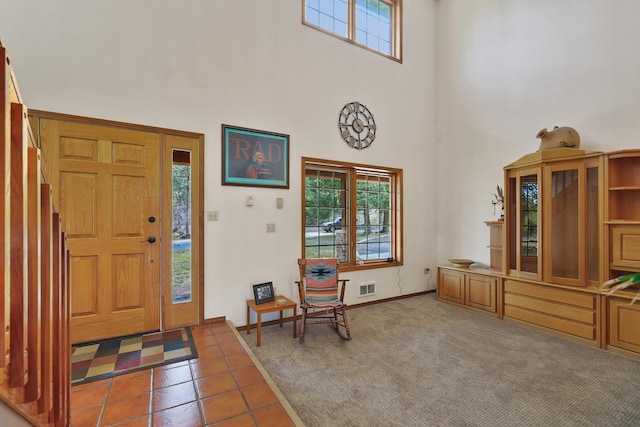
{"x":352,"y":212}
{"x":372,"y":24}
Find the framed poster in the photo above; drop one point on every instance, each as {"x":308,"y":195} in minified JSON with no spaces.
{"x":263,"y":292}
{"x":254,"y":158}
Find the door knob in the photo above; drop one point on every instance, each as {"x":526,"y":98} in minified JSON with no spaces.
{"x":152,"y":219}
{"x":151,"y":239}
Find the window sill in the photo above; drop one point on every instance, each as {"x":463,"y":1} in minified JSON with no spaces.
{"x":370,"y":265}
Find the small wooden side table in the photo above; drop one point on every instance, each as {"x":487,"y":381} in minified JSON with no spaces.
{"x":269,"y":307}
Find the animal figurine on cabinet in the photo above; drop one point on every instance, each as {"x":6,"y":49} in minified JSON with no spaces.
{"x":559,"y":137}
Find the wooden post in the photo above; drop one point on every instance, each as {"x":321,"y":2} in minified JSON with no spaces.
{"x":5,"y":186}
{"x":46,"y":350}
{"x":19,"y":325}
{"x":33,"y":387}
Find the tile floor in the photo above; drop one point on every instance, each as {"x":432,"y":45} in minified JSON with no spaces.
{"x":222,"y":387}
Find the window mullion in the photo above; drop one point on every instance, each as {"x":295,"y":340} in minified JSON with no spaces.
{"x":351,"y":20}
{"x":352,"y":216}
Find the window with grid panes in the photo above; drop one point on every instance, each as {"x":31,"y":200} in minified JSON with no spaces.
{"x":352,"y":212}
{"x":373,"y":24}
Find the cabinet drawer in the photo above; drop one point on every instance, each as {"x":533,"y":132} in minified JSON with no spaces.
{"x":625,"y":246}
{"x":578,"y":299}
{"x":564,"y":311}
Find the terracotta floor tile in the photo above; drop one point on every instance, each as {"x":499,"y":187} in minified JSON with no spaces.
{"x":126,"y":409}
{"x":247,"y":376}
{"x":167,"y":377}
{"x":239,"y":360}
{"x":219,"y":328}
{"x":167,"y":397}
{"x":206,"y":353}
{"x":226,"y":337}
{"x":88,"y":397}
{"x":204,"y":368}
{"x":259,"y":395}
{"x":140,"y":373}
{"x":86,"y":417}
{"x":200,"y":330}
{"x":204,"y":341}
{"x":138,"y":422}
{"x":122,"y":388}
{"x":91,"y":384}
{"x":243,"y":420}
{"x":171,"y":366}
{"x":187,"y":415}
{"x":229,"y":348}
{"x":223,"y":406}
{"x":272,"y":416}
{"x":215,"y":384}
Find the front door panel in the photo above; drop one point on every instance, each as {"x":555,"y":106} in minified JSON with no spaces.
{"x":106,"y":183}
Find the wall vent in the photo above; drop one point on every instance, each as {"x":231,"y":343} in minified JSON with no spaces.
{"x":367,"y":289}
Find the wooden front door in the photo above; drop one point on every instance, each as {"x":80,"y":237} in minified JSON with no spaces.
{"x":106,"y":183}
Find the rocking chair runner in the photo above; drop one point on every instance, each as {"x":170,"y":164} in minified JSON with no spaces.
{"x":318,"y":287}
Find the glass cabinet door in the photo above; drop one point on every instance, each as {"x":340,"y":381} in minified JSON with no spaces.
{"x":564,"y":221}
{"x":529,"y":218}
{"x":523,"y":209}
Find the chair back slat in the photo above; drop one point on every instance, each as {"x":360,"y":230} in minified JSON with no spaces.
{"x":321,"y":280}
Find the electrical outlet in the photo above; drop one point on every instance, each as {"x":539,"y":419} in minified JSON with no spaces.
{"x":427,"y":270}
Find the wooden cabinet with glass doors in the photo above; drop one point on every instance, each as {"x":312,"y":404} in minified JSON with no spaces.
{"x":572,"y":222}
{"x":553,"y":202}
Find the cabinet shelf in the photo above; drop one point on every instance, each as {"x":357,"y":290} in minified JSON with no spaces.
{"x":625,"y":188}
{"x":495,"y":245}
{"x":624,"y":204}
{"x":623,"y":222}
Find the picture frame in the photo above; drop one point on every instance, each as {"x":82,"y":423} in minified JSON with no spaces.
{"x":263,"y":292}
{"x":254,"y":158}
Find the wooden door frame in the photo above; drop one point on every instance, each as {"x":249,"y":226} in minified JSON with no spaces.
{"x":35,"y":115}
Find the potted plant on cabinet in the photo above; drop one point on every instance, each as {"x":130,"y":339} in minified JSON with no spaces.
{"x":623,"y":282}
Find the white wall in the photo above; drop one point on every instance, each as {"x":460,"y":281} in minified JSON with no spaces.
{"x":196,"y":64}
{"x":508,"y":68}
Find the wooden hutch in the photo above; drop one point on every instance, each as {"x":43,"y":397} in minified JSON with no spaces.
{"x":572,"y":222}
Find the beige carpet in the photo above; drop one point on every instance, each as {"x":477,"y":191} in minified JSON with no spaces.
{"x":420,"y":362}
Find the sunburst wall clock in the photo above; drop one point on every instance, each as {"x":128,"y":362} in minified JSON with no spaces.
{"x":357,"y":126}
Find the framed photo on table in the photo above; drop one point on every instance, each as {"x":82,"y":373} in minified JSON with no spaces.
{"x":254,"y":158}
{"x":263,"y":292}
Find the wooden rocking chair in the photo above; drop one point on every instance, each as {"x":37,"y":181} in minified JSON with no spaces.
{"x":319,"y":287}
